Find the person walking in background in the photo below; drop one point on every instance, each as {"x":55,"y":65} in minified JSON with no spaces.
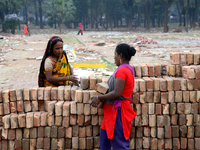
{"x":118,"y":114}
{"x":80,"y":30}
{"x":55,"y":69}
{"x":26,"y":29}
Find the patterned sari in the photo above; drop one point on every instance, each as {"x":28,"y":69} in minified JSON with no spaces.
{"x":60,"y":69}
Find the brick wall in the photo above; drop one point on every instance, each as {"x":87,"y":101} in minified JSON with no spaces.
{"x":166,"y":99}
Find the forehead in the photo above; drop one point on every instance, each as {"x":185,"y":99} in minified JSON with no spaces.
{"x":59,"y":43}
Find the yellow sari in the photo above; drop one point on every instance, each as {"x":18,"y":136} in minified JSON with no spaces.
{"x":60,"y":69}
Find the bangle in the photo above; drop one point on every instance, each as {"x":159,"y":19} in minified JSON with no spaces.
{"x":68,"y":77}
{"x":98,"y":98}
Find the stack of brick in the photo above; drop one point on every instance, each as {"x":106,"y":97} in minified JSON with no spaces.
{"x":166,"y":99}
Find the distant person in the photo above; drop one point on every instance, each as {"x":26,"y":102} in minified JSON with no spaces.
{"x":118,"y":114}
{"x":80,"y":30}
{"x":55,"y":69}
{"x":26,"y":29}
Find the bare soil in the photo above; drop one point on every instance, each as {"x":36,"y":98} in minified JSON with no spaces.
{"x":19,"y":67}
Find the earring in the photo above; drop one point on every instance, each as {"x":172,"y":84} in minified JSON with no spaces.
{"x":120,"y":61}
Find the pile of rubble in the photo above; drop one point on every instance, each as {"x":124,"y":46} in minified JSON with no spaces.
{"x":144,"y":40}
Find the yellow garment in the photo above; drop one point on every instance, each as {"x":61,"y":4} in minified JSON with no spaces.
{"x":60,"y":69}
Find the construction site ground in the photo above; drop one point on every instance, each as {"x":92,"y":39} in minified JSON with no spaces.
{"x":20,"y":56}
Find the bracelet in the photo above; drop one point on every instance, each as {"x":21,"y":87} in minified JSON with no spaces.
{"x":68,"y":77}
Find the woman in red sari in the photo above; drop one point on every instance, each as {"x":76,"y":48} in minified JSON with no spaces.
{"x":118,"y":114}
{"x":80,"y":30}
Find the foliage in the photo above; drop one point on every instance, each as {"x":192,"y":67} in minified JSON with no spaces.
{"x":50,"y":22}
{"x":11,"y":23}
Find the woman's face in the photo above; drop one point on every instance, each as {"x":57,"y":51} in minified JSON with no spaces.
{"x":117,"y":59}
{"x":58,"y":49}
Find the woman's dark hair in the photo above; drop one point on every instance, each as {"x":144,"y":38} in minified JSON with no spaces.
{"x":126,"y":51}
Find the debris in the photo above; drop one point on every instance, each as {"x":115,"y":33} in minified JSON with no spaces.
{"x":100,"y":44}
{"x":30,"y":58}
{"x":177,"y":31}
{"x":39,"y":58}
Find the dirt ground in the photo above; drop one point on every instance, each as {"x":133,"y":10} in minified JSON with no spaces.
{"x":19,"y":65}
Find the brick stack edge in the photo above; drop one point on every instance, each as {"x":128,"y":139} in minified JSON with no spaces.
{"x":166,"y":99}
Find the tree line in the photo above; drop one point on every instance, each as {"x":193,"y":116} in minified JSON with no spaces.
{"x":103,"y":13}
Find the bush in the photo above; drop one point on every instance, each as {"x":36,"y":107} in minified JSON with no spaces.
{"x":50,"y":22}
{"x":11,"y":24}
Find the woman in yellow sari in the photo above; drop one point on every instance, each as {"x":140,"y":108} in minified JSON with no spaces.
{"x":55,"y":69}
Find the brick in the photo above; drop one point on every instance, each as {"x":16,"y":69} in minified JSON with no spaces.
{"x":160,"y":133}
{"x":172,"y":108}
{"x":176,"y":143}
{"x":147,"y":131}
{"x":190,"y":132}
{"x":66,"y":108}
{"x":87,"y":109}
{"x":183,"y":143}
{"x":164,"y":97}
{"x":151,"y":108}
{"x":170,"y":83}
{"x":190,"y":144}
{"x":198,"y":96}
{"x":65,"y":121}
{"x":1,"y":109}
{"x":132,"y":143}
{"x":139,"y":132}
{"x":188,"y":72}
{"x":149,"y":83}
{"x":4,"y":145}
{"x":189,"y":120}
{"x":160,"y":120}
{"x":33,"y":133}
{"x":80,"y":109}
{"x":96,"y":130}
{"x":144,"y":69}
{"x":47,"y":142}
{"x":22,"y":120}
{"x":136,"y":86}
{"x":145,"y":109}
{"x":18,"y":134}
{"x":196,"y":58}
{"x":5,"y":96}
{"x":18,"y":145}
{"x":13,"y":107}
{"x":84,"y":82}
{"x":197,"y":143}
{"x":95,"y":120}
{"x":37,"y":119}
{"x":138,"y":70}
{"x":40,"y":93}
{"x":139,"y":143}
{"x":50,"y":120}
{"x":61,"y":144}
{"x":34,"y":106}
{"x":11,"y":134}
{"x":54,"y":132}
{"x":183,"y":131}
{"x":4,"y":134}
{"x":67,"y":93}
{"x":166,"y":120}
{"x":168,"y":132}
{"x":161,"y":143}
{"x":89,"y":142}
{"x":186,"y":96}
{"x":25,"y":144}
{"x":91,"y":93}
{"x":73,"y":107}
{"x":34,"y":93}
{"x":175,"y":58}
{"x":47,"y":93}
{"x":151,"y":70}
{"x":54,"y":143}
{"x":175,"y":131}
{"x":192,"y":96}
{"x":188,"y":108}
{"x":54,"y":93}
{"x":19,"y":95}
{"x":196,"y":120}
{"x":75,"y":144}
{"x":180,"y":108}
{"x":80,"y":120}
{"x":150,"y":97}
{"x":194,"y":109}
{"x":177,"y":84}
{"x":6,"y":108}
{"x":82,"y":132}
{"x":59,"y":108}
{"x":182,"y":119}
{"x":78,"y":96}
{"x":142,"y":85}
{"x":27,"y":106}
{"x":43,"y":119}
{"x":178,"y":70}
{"x":156,"y":97}
{"x":145,"y":120}
{"x":157,"y":70}
{"x":6,"y":122}
{"x":190,"y":58}
{"x":190,"y":85}
{"x":47,"y":132}
{"x":12,"y":95}
{"x":168,"y":143}
{"x":178,"y":96}
{"x":20,"y":106}
{"x":72,"y":119}
{"x":87,"y":120}
{"x":102,"y":88}
{"x":142,"y":97}
{"x":165,"y":69}
{"x":93,"y":82}
{"x":138,"y":121}
{"x":82,"y":143}
{"x":86,"y":96}
{"x":61,"y":93}
{"x":26,"y":94}
{"x":183,"y":58}
{"x":29,"y":120}
{"x":165,"y":109}
{"x":51,"y":107}
{"x":154,"y":143}
{"x":41,"y":132}
{"x":158,"y":109}
{"x":58,"y":120}
{"x":146,"y":142}
{"x":14,"y":121}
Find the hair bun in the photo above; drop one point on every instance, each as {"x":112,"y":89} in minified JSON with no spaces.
{"x":132,"y":51}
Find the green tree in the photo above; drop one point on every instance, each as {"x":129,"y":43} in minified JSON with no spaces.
{"x":185,"y":4}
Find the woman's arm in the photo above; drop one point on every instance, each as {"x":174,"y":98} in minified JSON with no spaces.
{"x":119,"y":87}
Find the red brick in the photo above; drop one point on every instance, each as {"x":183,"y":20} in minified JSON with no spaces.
{"x":54,"y":93}
{"x":175,"y":58}
{"x":36,"y":119}
{"x":190,"y":58}
{"x":190,"y":144}
{"x":183,"y":58}
{"x":6,"y":108}
{"x":149,"y":83}
{"x":20,"y":106}
{"x":142,"y":84}
{"x":151,"y":70}
{"x":156,"y":97}
{"x":47,"y":93}
{"x":164,"y":97}
{"x":158,"y":109}
{"x":13,"y":107}
{"x":26,"y":94}
{"x":136,"y":98}
{"x":157,"y":70}
{"x":138,"y":70}
{"x":178,"y":70}
{"x":12,"y":95}
{"x":183,"y":143}
{"x":34,"y":93}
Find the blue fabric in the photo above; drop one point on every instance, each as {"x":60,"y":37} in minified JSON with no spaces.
{"x":118,"y":142}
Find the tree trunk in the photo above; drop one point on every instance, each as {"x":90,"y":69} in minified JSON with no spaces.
{"x":54,"y":22}
{"x":186,"y":20}
{"x":166,"y":20}
{"x":36,"y":13}
{"x":60,"y":23}
{"x":145,"y":20}
{"x":40,"y":12}
{"x":138,"y":19}
{"x":195,"y":13}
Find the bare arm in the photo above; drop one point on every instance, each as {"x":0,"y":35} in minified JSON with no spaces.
{"x":119,"y":87}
